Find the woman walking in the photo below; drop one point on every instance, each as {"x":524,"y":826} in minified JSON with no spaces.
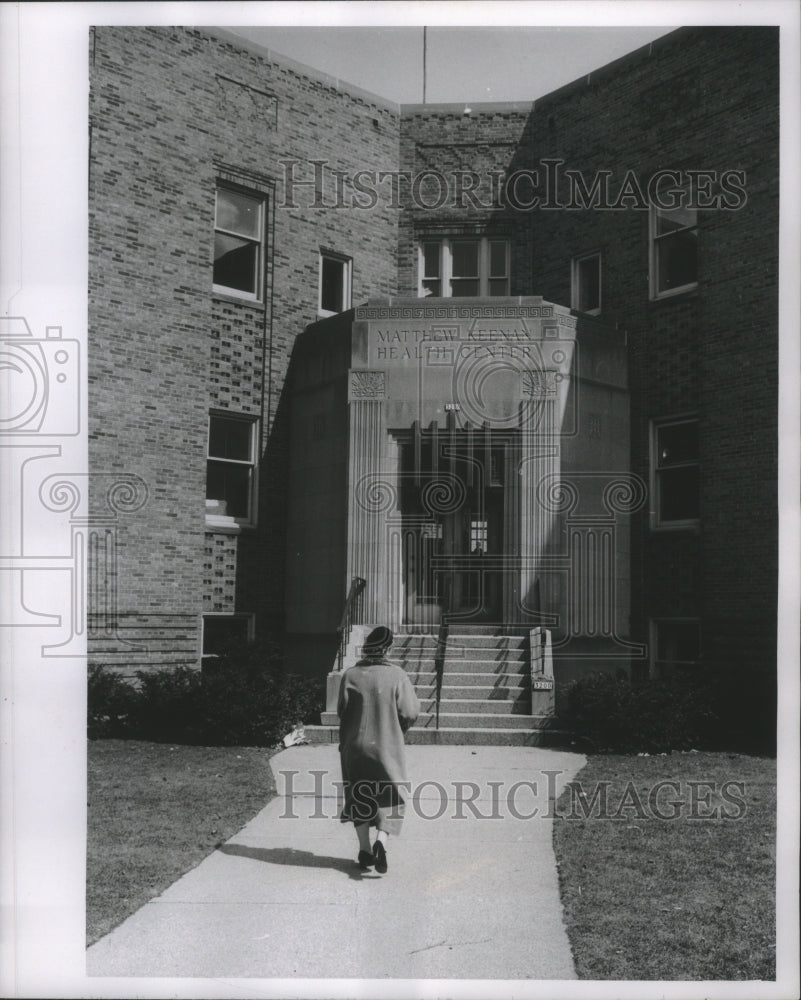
{"x":377,"y":704}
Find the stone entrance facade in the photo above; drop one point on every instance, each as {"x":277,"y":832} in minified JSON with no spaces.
{"x":444,"y":452}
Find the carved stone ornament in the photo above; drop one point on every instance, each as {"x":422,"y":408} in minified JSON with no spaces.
{"x":538,"y":383}
{"x":367,"y":385}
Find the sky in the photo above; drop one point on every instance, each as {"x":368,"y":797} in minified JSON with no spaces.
{"x":462,"y":63}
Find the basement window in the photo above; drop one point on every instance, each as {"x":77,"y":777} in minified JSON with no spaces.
{"x":675,"y":646}
{"x":222,"y":632}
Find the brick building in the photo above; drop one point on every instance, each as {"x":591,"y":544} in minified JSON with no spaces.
{"x":238,"y":199}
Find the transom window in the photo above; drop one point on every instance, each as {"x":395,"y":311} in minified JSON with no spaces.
{"x":231,"y":470}
{"x":675,"y":472}
{"x":335,"y":283}
{"x":674,"y":251}
{"x":586,"y":283}
{"x":238,"y":243}
{"x":463,"y":267}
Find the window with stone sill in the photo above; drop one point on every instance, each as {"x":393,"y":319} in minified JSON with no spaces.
{"x":463,"y":266}
{"x":335,"y":288}
{"x":586,"y":283}
{"x":231,"y":471}
{"x":675,"y":473}
{"x":239,"y":237}
{"x":673,"y":251}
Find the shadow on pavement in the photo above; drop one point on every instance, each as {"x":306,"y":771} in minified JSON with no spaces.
{"x":290,"y":856}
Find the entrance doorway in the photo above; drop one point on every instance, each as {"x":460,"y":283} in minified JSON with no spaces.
{"x":452,"y":501}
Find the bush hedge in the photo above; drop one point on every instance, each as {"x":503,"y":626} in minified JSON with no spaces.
{"x":613,"y":714}
{"x":246,"y":699}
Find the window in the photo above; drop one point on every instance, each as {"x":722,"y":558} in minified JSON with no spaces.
{"x":674,"y":251}
{"x":466,"y":267}
{"x":586,"y":283}
{"x":675,"y":483}
{"x":231,"y":470}
{"x":335,"y":283}
{"x":222,"y":631}
{"x":239,"y":243}
{"x":675,"y":646}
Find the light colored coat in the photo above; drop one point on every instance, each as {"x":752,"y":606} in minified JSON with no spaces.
{"x":377,"y":704}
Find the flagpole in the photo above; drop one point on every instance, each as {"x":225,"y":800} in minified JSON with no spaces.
{"x":424,"y":65}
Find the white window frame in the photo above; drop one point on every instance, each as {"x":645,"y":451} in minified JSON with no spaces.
{"x":217,"y":521}
{"x":247,"y":616}
{"x":575,"y":282}
{"x":259,"y":243}
{"x":653,"y":265}
{"x":446,"y":263}
{"x":347,"y":281}
{"x":657,"y":523}
{"x":654,"y":662}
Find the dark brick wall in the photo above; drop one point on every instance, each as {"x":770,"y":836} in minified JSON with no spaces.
{"x":171,"y":111}
{"x":700,"y":99}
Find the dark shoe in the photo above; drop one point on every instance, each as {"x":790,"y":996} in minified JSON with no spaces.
{"x":366,"y":861}
{"x":380,"y":856}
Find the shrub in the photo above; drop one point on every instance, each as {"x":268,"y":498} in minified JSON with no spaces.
{"x":112,"y":705}
{"x":611,"y":714}
{"x":246,"y":698}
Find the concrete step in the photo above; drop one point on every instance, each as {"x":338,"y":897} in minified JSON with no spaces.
{"x":460,"y":628}
{"x":480,"y":720}
{"x":489,"y":737}
{"x":523,"y":737}
{"x":507,"y":706}
{"x":460,"y":653}
{"x":491,"y":683}
{"x":475,"y":693}
{"x":410,"y":642}
{"x":513,"y":668}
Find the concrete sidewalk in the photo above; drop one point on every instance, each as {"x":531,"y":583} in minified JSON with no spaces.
{"x":464,"y":898}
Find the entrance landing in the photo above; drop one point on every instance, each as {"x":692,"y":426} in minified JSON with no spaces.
{"x":475,"y":689}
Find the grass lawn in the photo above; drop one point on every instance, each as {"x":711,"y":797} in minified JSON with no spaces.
{"x":684,"y":898}
{"x":155,"y":811}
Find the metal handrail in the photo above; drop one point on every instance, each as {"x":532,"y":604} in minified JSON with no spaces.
{"x":439,"y":664}
{"x":352,"y":607}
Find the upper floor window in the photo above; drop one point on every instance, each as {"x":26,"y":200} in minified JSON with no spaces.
{"x":239,"y":243}
{"x":675,"y":473}
{"x":231,"y":471}
{"x":335,"y":283}
{"x":466,"y":267}
{"x":674,"y":251}
{"x":586,"y":283}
